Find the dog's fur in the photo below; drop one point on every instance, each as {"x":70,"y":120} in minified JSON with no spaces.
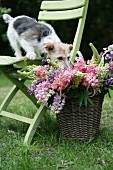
{"x":33,"y":37}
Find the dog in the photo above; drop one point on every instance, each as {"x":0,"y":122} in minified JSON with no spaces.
{"x":36,"y":37}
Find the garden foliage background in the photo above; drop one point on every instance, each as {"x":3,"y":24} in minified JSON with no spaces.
{"x":98,"y":27}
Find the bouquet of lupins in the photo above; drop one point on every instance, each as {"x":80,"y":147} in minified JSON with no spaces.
{"x":51,"y":85}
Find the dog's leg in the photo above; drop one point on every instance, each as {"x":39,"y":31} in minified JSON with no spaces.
{"x":15,"y":45}
{"x":29,"y":49}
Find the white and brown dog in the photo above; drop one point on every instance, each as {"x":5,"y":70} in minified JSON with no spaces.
{"x":25,"y":32}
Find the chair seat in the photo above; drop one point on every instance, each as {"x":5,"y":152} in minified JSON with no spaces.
{"x":7,"y":60}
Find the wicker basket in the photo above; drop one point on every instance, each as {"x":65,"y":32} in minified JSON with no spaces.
{"x":81,"y":123}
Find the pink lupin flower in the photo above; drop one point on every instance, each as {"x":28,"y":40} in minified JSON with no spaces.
{"x":111,"y":65}
{"x":40,"y":71}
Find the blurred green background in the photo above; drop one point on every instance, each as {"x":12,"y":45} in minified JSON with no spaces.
{"x":98,"y":27}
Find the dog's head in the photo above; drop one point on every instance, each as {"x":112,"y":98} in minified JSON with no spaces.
{"x":59,"y":52}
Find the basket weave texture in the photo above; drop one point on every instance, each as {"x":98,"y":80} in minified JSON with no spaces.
{"x":80,"y":122}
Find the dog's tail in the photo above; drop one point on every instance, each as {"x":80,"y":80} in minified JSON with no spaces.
{"x":7,"y":18}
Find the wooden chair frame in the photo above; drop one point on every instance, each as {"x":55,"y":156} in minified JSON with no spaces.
{"x":50,"y":10}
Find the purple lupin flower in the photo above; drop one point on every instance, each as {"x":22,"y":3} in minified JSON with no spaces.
{"x":109,"y":56}
{"x":52,"y":74}
{"x":107,"y":80}
{"x":44,"y":62}
{"x":111,"y":66}
{"x":32,"y":87}
{"x":58,"y":103}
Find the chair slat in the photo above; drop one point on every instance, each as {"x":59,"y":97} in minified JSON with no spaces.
{"x":16,"y":117}
{"x":60,"y":15}
{"x":62,"y":5}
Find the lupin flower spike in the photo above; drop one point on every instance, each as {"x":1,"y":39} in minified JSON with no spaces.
{"x":95,"y":57}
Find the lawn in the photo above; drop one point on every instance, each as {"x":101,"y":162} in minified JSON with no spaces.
{"x":49,"y":151}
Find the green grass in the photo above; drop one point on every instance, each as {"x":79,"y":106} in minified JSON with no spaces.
{"x":49,"y":151}
{"x":4,"y":81}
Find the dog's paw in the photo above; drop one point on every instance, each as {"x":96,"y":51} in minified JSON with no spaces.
{"x":18,"y":55}
{"x":18,"y":58}
{"x":31,"y":56}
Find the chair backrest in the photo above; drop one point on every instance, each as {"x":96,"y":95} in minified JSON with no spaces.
{"x":66,"y":10}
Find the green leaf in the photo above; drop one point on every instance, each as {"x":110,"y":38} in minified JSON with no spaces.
{"x":111,"y":87}
{"x":85,"y":100}
{"x":90,"y":100}
{"x":81,"y":98}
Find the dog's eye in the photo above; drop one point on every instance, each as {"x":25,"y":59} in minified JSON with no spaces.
{"x":60,"y":58}
{"x":43,"y":55}
{"x":68,"y":57}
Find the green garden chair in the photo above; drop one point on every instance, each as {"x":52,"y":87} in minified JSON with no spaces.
{"x":50,"y":10}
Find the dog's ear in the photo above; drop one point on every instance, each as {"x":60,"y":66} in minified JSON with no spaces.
{"x":49,"y":47}
{"x":70,"y":47}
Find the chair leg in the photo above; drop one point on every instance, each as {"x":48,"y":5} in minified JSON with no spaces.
{"x":34,"y":124}
{"x":20,"y":85}
{"x":8,"y":98}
